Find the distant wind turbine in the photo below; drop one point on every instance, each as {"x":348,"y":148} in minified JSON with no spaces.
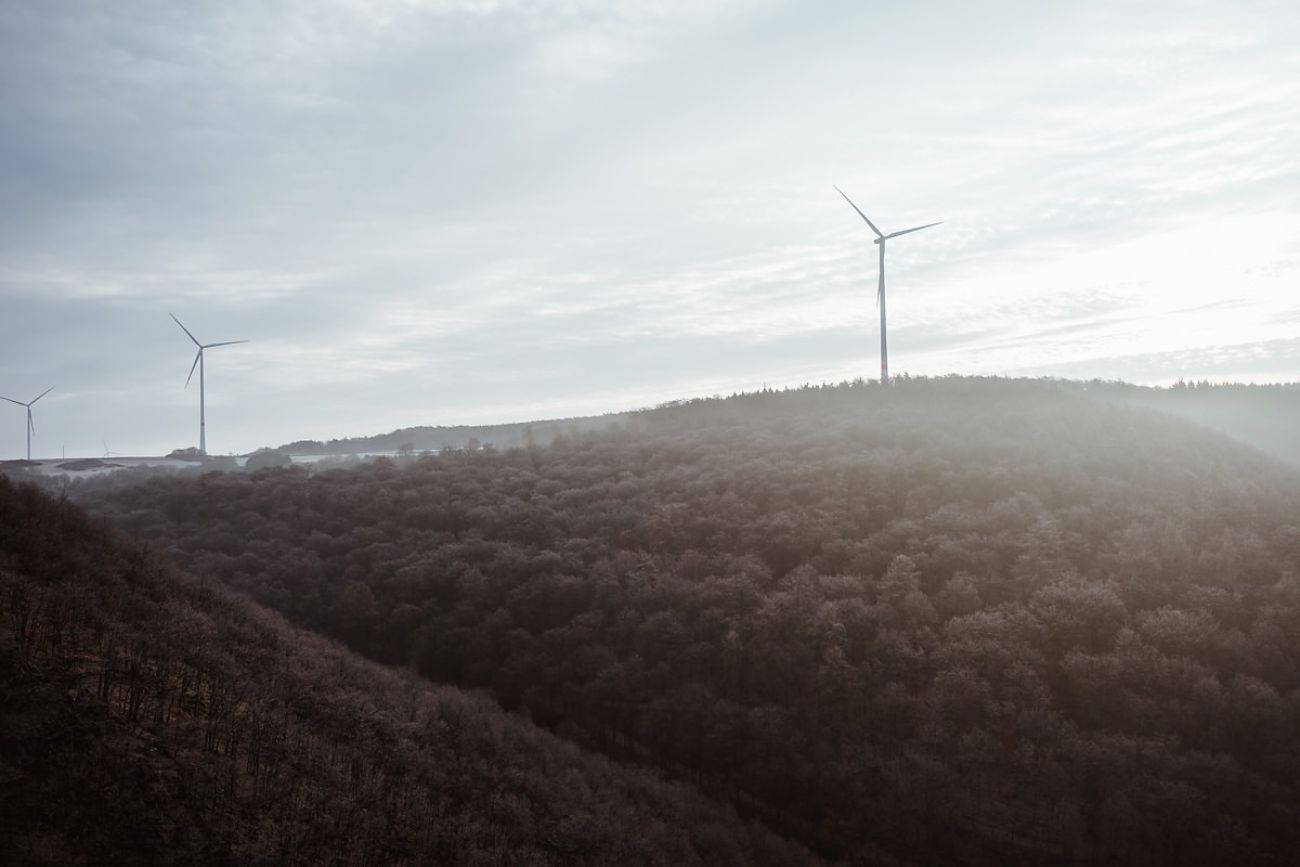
{"x":31,"y":426}
{"x":198,"y":362}
{"x":881,"y":238}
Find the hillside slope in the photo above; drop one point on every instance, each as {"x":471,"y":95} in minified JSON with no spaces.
{"x":982,"y":621}
{"x":1263,"y":416}
{"x":153,"y":718}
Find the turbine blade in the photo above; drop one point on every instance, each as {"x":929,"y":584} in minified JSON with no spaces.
{"x":31,"y":425}
{"x":11,"y":400}
{"x":907,"y":231}
{"x":186,"y":330}
{"x":879,"y":234}
{"x":42,"y":394}
{"x":197,"y":356}
{"x":226,"y":343}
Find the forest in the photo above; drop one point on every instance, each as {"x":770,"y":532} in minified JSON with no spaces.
{"x":153,"y":717}
{"x":948,"y":620}
{"x":1264,"y":416}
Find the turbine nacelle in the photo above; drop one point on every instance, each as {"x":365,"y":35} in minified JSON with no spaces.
{"x":883,"y":238}
{"x":198,"y":356}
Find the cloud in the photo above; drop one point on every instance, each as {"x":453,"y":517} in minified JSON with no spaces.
{"x":458,"y":210}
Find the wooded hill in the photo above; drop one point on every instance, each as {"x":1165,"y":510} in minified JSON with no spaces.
{"x":151,"y":717}
{"x":1264,"y":416}
{"x":977,"y":621}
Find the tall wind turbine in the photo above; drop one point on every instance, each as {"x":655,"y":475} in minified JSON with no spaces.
{"x":31,"y":426}
{"x":881,"y":238}
{"x":198,"y":362}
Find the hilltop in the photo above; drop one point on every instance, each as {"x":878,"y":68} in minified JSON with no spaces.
{"x":1264,"y":416}
{"x":954,"y":620}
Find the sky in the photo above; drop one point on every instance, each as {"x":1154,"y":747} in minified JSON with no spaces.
{"x":474,"y":211}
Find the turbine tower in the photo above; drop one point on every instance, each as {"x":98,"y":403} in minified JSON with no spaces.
{"x":31,"y":427}
{"x":198,"y":362}
{"x":881,"y":238}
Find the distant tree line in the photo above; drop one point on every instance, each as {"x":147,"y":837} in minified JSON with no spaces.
{"x":426,"y":438}
{"x":1265,"y":416}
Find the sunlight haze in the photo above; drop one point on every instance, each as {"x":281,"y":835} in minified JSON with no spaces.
{"x":466,"y":212}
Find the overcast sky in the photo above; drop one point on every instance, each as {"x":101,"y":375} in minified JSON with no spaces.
{"x":461,"y":211}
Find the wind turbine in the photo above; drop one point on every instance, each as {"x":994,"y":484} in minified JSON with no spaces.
{"x":881,"y":238}
{"x":198,"y":362}
{"x":31,"y":426}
